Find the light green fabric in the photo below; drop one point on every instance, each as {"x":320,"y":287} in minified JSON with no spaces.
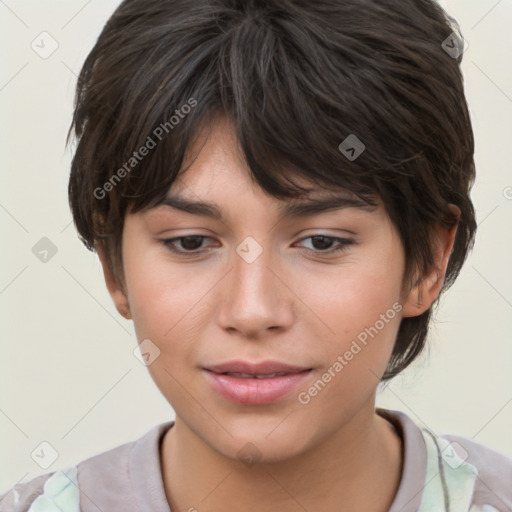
{"x":449,"y":480}
{"x":60,"y":493}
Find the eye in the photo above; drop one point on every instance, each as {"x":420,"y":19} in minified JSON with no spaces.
{"x":190,"y":244}
{"x":322,"y":244}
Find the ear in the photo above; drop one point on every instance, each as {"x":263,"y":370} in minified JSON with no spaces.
{"x":425,"y":292}
{"x":116,"y":292}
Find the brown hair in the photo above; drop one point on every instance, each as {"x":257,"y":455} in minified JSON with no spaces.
{"x":296,"y":78}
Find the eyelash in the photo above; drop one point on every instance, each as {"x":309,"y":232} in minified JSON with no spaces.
{"x":343,"y":244}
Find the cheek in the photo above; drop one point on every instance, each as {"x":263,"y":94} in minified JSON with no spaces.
{"x":358,"y":306}
{"x":363,"y":316}
{"x":167,"y":309}
{"x":158,"y":294}
{"x":170,"y":304}
{"x":351,"y":296}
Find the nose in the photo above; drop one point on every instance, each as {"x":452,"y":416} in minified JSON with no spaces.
{"x":254,"y":297}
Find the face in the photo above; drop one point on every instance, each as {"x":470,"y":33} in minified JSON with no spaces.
{"x":321,"y":292}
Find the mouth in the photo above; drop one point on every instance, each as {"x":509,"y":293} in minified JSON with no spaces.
{"x":261,"y":384}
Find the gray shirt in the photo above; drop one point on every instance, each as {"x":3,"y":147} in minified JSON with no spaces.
{"x":128,"y":478}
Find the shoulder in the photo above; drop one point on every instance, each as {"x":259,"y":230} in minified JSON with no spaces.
{"x":20,"y":497}
{"x":493,"y":483}
{"x":63,"y":489}
{"x":443,"y":471}
{"x":50,"y":492}
{"x":106,"y":478}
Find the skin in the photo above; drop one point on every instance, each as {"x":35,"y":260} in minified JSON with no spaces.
{"x":294,"y":304}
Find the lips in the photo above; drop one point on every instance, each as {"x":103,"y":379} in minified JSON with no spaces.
{"x":255,"y":384}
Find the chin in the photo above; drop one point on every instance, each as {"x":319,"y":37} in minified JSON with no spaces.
{"x":253,"y":442}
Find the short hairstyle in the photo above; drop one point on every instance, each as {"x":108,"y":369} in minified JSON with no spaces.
{"x":295,"y":78}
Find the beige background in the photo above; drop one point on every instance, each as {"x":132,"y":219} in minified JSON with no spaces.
{"x":68,"y":373}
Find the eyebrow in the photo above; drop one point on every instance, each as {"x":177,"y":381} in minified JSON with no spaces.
{"x":296,"y":209}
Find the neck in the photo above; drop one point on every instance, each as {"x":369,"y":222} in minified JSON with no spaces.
{"x":366,"y":453}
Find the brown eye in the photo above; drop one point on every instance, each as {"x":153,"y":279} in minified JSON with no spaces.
{"x":323,"y":244}
{"x":189,"y":244}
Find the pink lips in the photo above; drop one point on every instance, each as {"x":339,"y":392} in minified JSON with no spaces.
{"x":255,"y":384}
